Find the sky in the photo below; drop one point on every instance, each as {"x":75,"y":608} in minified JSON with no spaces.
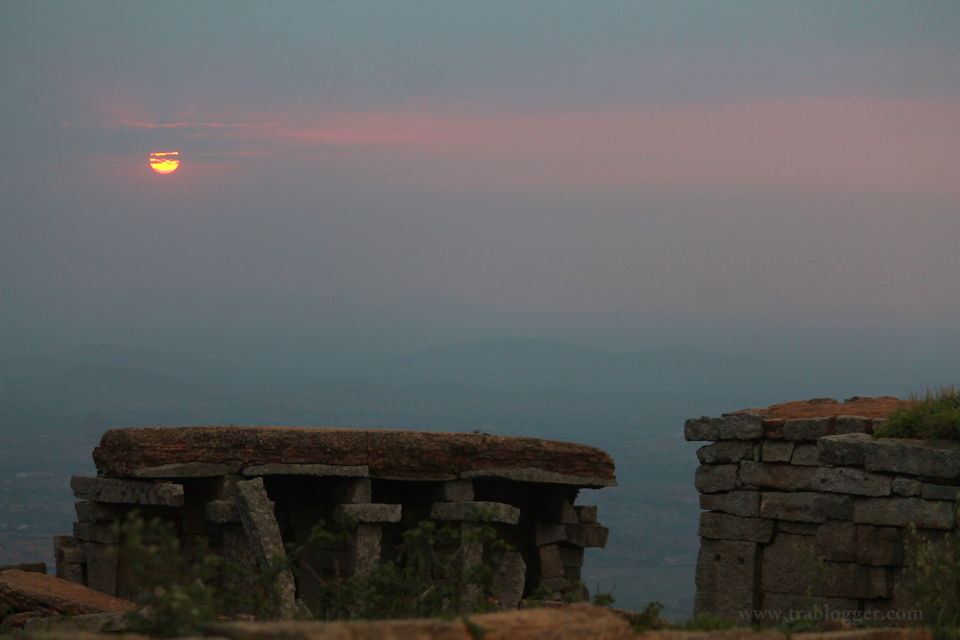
{"x":373,"y":176}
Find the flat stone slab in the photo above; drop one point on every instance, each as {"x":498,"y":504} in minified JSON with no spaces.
{"x":372,"y":512}
{"x":475,"y":512}
{"x":127,"y":491}
{"x":386,"y":453}
{"x":29,"y":591}
{"x":339,"y":470}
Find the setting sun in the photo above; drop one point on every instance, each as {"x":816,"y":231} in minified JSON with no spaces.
{"x":165,"y":161}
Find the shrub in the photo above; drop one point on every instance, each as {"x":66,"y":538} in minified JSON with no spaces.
{"x":935,"y":414}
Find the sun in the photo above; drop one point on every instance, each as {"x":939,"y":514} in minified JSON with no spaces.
{"x":165,"y":161}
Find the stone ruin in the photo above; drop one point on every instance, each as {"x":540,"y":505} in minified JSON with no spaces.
{"x":803,"y":507}
{"x":249,"y":491}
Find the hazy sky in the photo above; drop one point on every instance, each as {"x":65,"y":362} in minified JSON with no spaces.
{"x":610,"y":172}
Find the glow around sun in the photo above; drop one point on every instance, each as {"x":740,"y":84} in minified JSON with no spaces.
{"x":165,"y":161}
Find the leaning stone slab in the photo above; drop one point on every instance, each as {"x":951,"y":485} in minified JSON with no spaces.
{"x":402,"y":455}
{"x":348,"y":471}
{"x":721,"y":526}
{"x":725,"y":451}
{"x":732,"y":426}
{"x":475,"y":512}
{"x":726,"y":576}
{"x":28,"y":591}
{"x":846,"y":449}
{"x":263,"y":532}
{"x":738,"y":503}
{"x":896,"y":511}
{"x":370,"y":513}
{"x":716,"y":478}
{"x":931,"y":458}
{"x":851,"y":481}
{"x":784,"y":477}
{"x":803,"y":506}
{"x":186,"y":470}
{"x":127,"y":491}
{"x":221,"y":511}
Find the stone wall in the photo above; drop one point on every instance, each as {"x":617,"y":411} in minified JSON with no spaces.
{"x":248,"y":491}
{"x":803,"y":506}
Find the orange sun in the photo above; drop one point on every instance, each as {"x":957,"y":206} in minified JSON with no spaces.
{"x":165,"y":161}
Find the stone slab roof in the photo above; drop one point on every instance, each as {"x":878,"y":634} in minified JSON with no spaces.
{"x":377,"y":453}
{"x":875,"y":408}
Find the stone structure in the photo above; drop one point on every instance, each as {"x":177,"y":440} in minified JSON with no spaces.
{"x":802,"y":503}
{"x":248,"y":491}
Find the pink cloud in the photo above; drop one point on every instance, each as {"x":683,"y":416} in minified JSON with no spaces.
{"x":854,"y":144}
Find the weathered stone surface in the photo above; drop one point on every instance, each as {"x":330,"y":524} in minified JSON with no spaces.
{"x":777,"y":451}
{"x":96,"y":511}
{"x":802,"y":506}
{"x":799,"y":528}
{"x":30,"y":591}
{"x":734,"y":426}
{"x":852,"y":580}
{"x":880,"y":545}
{"x":366,"y":550}
{"x":791,"y":564}
{"x":571,"y":556}
{"x":932,"y":458}
{"x":127,"y":491}
{"x":903,"y":486}
{"x":370,"y":512}
{"x":529,"y":474}
{"x":939,"y":492}
{"x":260,"y":524}
{"x":573,"y":622}
{"x":721,"y":526}
{"x":586,"y":535}
{"x":785,"y":477}
{"x":725,"y":451}
{"x":586,"y":514}
{"x":851,"y":481}
{"x":726,"y":573}
{"x":221,"y":511}
{"x":808,"y":428}
{"x":805,"y":454}
{"x":102,"y":560}
{"x":846,"y":449}
{"x":837,"y":540}
{"x":186,"y":470}
{"x":551,"y":565}
{"x":387,"y":453}
{"x":510,"y":580}
{"x":852,"y":424}
{"x":94,"y":532}
{"x":456,"y":491}
{"x":548,"y":533}
{"x":714,"y":478}
{"x":475,"y":512}
{"x":321,"y":470}
{"x":896,"y":511}
{"x":738,"y":503}
{"x":53,"y":627}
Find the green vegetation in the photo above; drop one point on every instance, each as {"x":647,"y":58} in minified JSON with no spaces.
{"x":933,"y":581}
{"x":934,"y":414}
{"x":184,"y":589}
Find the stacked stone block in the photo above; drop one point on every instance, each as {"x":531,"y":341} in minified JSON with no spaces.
{"x":249,"y":511}
{"x":813,"y":510}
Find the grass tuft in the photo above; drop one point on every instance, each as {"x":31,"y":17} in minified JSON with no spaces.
{"x":933,"y":414}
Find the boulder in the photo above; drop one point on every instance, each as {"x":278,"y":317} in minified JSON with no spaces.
{"x":29,"y":591}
